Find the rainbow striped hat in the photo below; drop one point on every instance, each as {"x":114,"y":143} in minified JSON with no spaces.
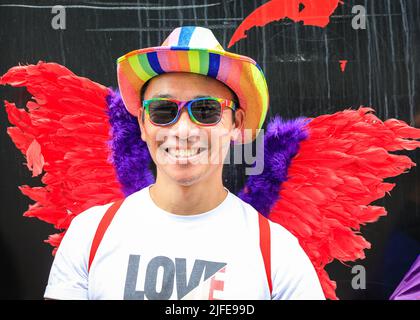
{"x":196,"y":50}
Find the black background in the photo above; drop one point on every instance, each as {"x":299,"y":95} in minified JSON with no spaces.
{"x":304,"y":77}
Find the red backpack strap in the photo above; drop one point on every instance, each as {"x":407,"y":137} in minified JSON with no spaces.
{"x":265,"y":246}
{"x":102,"y":227}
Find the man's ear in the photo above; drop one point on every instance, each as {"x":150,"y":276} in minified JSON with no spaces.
{"x":140,"y":120}
{"x":239,"y":123}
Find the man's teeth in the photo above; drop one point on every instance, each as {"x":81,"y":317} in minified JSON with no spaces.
{"x":183,"y":153}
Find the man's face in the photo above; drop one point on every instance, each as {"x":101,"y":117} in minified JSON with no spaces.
{"x":187,"y":152}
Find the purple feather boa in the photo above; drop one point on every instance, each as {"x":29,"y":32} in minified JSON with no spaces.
{"x":281,"y":144}
{"x":129,"y":153}
{"x":131,"y":159}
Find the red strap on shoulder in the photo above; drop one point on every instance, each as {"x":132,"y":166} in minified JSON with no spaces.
{"x":102,"y":227}
{"x":265,"y":238}
{"x":265,"y":245}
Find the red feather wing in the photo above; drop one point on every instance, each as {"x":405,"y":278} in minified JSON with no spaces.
{"x":338,"y":171}
{"x":63,"y":133}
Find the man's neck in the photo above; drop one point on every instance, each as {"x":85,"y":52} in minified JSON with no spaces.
{"x":187,"y":200}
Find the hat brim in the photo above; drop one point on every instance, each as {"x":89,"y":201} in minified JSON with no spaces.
{"x":240,"y":73}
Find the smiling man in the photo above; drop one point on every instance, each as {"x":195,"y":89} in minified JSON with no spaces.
{"x":185,"y":236}
{"x":188,"y":155}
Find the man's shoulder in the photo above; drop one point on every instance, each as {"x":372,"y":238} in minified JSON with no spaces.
{"x":89,"y":218}
{"x":278,"y":232}
{"x":239,"y":203}
{"x":79,"y":235}
{"x":281,"y":234}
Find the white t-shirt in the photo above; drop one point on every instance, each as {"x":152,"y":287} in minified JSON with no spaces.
{"x":148,"y":253}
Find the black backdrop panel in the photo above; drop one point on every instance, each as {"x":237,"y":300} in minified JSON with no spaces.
{"x":302,"y":65}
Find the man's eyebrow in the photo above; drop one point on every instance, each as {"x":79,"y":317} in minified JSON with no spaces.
{"x":162,"y":95}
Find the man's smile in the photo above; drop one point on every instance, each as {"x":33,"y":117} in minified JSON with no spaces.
{"x":184,"y":153}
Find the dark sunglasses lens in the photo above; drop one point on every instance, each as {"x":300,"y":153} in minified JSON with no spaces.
{"x":206,"y":111}
{"x":162,"y":111}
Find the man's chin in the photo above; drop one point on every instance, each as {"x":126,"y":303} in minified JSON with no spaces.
{"x":186,"y":181}
{"x":185,"y":176}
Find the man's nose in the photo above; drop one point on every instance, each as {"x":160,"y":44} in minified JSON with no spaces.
{"x":184,"y":128}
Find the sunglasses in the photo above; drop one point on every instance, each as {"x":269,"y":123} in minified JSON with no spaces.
{"x":205,"y":111}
